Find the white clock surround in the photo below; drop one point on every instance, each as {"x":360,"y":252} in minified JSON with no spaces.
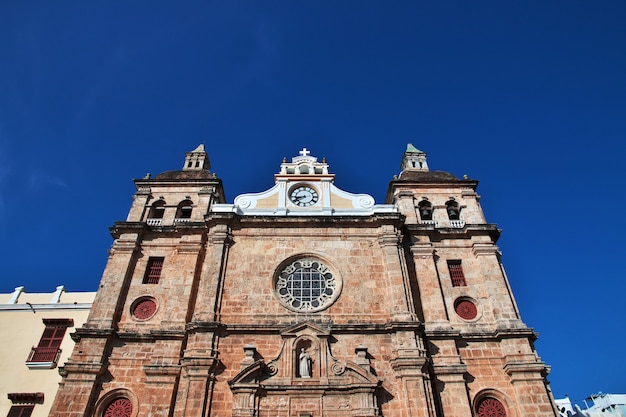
{"x":302,"y":174}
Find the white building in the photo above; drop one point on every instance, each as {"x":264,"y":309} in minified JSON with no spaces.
{"x":596,"y":405}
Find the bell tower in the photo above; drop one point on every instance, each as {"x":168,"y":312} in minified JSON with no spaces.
{"x":414,"y":159}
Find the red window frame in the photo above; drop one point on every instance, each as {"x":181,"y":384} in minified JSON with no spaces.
{"x":20,"y":410}
{"x":153,"y":270}
{"x":456,"y":274}
{"x":49,"y":346}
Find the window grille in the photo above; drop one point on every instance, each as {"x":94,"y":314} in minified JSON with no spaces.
{"x":119,"y":407}
{"x":490,"y":407}
{"x":153,"y":271}
{"x":456,"y":274}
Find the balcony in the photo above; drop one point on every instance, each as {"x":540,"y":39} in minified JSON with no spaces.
{"x":431,"y":222}
{"x":43,"y":357}
{"x":154,"y":222}
{"x":181,"y":220}
{"x":457,"y":224}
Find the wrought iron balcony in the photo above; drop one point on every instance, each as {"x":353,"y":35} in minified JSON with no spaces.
{"x":43,"y":357}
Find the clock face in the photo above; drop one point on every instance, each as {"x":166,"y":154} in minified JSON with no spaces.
{"x":304,"y":196}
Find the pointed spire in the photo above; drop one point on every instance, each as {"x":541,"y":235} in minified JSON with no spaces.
{"x":197,"y":160}
{"x":413,"y":159}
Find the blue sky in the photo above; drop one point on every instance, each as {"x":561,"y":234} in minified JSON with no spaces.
{"x":528,"y":97}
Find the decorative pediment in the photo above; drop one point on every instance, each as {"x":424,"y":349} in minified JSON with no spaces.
{"x":304,"y":328}
{"x":250,"y":375}
{"x":306,"y":371}
{"x":304,"y":187}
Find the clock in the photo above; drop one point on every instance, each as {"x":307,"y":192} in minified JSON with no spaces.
{"x":304,"y":196}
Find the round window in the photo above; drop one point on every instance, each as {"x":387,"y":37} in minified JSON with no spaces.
{"x":144,"y":308}
{"x":466,"y":309}
{"x":307,"y":285}
{"x":490,"y":407}
{"x":119,"y":407}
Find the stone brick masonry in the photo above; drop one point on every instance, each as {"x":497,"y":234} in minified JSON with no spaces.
{"x":227,"y":331}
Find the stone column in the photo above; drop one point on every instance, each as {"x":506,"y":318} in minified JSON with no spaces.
{"x":195,"y":387}
{"x":111,"y":295}
{"x":431,"y":295}
{"x":400,"y":301}
{"x":80,"y":386}
{"x":452,"y":389}
{"x":208,"y":303}
{"x":496,"y":286}
{"x":411,"y":369}
{"x":528,"y":380}
{"x":140,"y":204}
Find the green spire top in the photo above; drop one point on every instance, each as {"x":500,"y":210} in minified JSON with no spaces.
{"x":413,"y":159}
{"x":411,"y":148}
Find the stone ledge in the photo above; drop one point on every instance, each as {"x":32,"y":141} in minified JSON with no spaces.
{"x":497,"y":334}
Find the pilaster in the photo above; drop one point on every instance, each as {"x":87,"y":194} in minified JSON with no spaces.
{"x":111,"y":295}
{"x":431,"y":296}
{"x":210,"y":289}
{"x":398,"y":283}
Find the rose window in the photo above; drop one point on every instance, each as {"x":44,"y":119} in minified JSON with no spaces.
{"x":144,"y":308}
{"x":307,"y":285}
{"x":120,"y":407}
{"x":466,"y":309}
{"x":490,"y":407}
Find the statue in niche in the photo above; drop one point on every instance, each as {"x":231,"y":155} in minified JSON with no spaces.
{"x":305,"y":364}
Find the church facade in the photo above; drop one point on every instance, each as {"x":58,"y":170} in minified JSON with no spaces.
{"x":304,"y":301}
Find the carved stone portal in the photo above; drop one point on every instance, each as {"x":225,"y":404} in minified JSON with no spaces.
{"x":305,"y":379}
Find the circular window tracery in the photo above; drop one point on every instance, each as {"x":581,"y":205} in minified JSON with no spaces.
{"x":466,"y":309}
{"x":307,"y":285}
{"x":144,"y":308}
{"x":119,"y":407}
{"x":490,"y":407}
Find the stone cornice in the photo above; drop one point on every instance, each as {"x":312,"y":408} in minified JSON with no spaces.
{"x":45,"y":307}
{"x":388,"y":327}
{"x":305,"y":221}
{"x":496,"y":334}
{"x":119,"y":228}
{"x":93,"y":333}
{"x":152,"y":335}
{"x":468,"y":230}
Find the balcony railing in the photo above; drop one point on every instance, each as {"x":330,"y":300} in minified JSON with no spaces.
{"x":182,"y":220}
{"x":457,"y":224}
{"x":433,"y":222}
{"x":43,"y":356}
{"x":154,"y":222}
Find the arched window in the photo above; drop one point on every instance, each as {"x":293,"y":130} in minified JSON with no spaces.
{"x":490,"y":407}
{"x":426,"y":210}
{"x":184,"y":210}
{"x":157,"y":210}
{"x":119,"y":402}
{"x":119,"y":407}
{"x":454,"y":212}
